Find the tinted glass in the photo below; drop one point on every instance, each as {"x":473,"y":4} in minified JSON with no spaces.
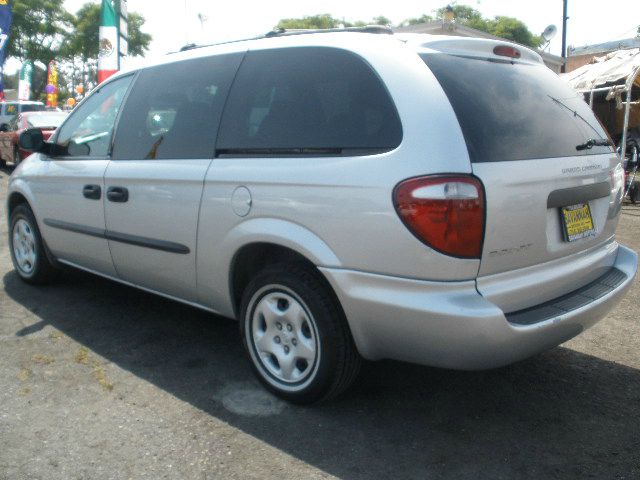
{"x":308,"y":98}
{"x":515,"y":111}
{"x":173,"y":111}
{"x":45,"y":119}
{"x":32,"y":107}
{"x":87,"y":133}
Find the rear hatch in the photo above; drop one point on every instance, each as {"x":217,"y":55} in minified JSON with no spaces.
{"x":552,"y":184}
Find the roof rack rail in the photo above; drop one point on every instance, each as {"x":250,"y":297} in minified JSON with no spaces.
{"x":193,"y":46}
{"x":378,"y":29}
{"x":281,"y":32}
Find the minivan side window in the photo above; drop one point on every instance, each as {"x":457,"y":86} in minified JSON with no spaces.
{"x":308,"y":100}
{"x":32,"y":107}
{"x":88,"y":130}
{"x":174,"y":110}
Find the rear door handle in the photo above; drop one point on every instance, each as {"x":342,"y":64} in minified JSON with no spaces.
{"x":92,"y":192}
{"x":117,"y":194}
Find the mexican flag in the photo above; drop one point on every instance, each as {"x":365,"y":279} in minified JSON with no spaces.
{"x":108,"y":52}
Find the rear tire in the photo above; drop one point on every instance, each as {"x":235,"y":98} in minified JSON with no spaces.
{"x":27,"y":248}
{"x":296,"y":335}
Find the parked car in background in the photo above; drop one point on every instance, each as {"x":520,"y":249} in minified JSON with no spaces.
{"x":345,"y":195}
{"x":10,"y":132}
{"x":9,"y":109}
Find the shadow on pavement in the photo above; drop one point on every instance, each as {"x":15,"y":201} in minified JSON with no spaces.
{"x":562,"y":414}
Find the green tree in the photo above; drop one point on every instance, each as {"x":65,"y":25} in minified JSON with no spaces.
{"x":421,"y":19}
{"x":325,"y":20}
{"x":500,"y":26}
{"x":381,"y":20}
{"x":80,"y":49}
{"x":462,"y":13}
{"x":138,"y":40}
{"x":513,"y":29}
{"x":39,"y":29}
{"x":83,"y":42}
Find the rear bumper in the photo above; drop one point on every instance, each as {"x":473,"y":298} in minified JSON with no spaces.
{"x":451,"y":325}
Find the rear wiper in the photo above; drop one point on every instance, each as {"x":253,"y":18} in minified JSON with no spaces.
{"x":576,"y":114}
{"x":589,"y":144}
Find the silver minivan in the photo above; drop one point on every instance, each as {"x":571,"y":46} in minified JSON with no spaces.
{"x":345,"y":195}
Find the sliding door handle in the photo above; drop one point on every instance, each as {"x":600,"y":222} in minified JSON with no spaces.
{"x":117,"y":194}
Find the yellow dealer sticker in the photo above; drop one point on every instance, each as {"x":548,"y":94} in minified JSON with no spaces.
{"x":577,"y":222}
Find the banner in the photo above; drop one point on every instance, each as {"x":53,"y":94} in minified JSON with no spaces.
{"x":108,"y":48}
{"x":24,"y":86}
{"x":52,"y":85}
{"x":6,"y":17}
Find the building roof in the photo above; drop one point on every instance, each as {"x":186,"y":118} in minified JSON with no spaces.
{"x":605,"y":47}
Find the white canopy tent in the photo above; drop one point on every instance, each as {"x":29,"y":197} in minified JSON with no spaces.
{"x":615,"y":73}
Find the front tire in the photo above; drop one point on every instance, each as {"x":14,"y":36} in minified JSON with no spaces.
{"x":27,"y":248}
{"x":296,"y":335}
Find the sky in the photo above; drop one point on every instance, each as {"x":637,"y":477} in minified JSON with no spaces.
{"x":174,"y":23}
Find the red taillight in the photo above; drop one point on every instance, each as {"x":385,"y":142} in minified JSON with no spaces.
{"x":507,"y":51}
{"x":445,"y":212}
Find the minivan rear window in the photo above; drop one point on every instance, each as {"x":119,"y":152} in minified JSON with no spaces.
{"x":308,"y":100}
{"x":515,"y":111}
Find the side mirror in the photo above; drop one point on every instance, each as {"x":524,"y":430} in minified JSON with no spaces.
{"x":32,"y":140}
{"x":4,"y":127}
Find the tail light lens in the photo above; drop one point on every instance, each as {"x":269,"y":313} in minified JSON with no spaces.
{"x":445,"y":212}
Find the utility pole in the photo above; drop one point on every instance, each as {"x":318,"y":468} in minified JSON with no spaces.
{"x":564,"y":33}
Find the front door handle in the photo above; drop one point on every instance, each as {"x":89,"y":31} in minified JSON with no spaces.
{"x":117,"y":194}
{"x":92,"y":192}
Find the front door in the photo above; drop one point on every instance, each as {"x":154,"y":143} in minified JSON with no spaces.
{"x":162,"y":150}
{"x":70,"y":191}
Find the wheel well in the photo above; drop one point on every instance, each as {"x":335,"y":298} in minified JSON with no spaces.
{"x":252,"y":258}
{"x":14,"y":200}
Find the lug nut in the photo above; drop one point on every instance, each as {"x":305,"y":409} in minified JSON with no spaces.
{"x":286,"y":349}
{"x":289,"y":327}
{"x":294,"y":342}
{"x":279,"y":326}
{"x":277,"y":339}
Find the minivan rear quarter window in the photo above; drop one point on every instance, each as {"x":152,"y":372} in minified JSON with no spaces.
{"x":515,"y":111}
{"x":316,"y":100}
